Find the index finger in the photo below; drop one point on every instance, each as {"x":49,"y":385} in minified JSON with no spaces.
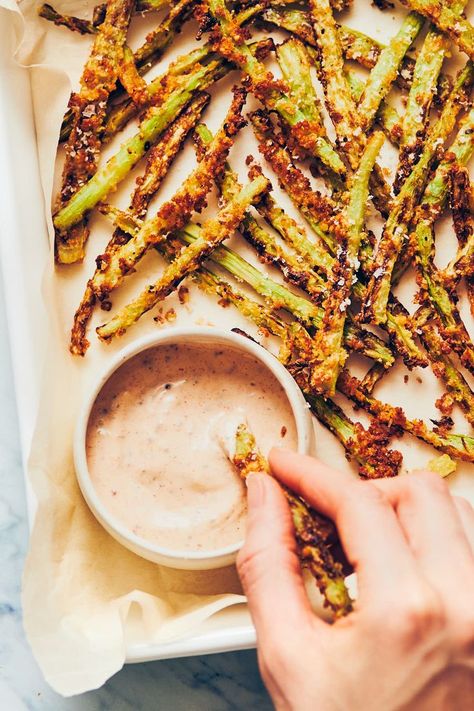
{"x":368,"y":527}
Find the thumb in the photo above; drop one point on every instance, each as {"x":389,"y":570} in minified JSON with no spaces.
{"x":268,"y":564}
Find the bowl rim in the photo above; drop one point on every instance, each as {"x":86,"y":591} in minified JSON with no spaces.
{"x":174,"y":335}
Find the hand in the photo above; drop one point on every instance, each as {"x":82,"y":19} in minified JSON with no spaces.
{"x":409,"y":643}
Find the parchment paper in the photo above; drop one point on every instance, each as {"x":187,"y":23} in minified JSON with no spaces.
{"x":81,"y":588}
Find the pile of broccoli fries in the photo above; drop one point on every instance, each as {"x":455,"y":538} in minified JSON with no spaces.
{"x":338,"y":296}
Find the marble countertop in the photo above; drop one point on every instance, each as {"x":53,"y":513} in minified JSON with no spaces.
{"x":218,"y":682}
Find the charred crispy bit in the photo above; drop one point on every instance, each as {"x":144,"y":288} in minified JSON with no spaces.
{"x":313,"y":532}
{"x":373,"y":376}
{"x":88,"y":107}
{"x":383,"y":4}
{"x":158,"y":161}
{"x":446,"y":17}
{"x":463,"y":263}
{"x":396,"y":228}
{"x":330,"y":355}
{"x":228,"y":39}
{"x":213,"y":233}
{"x":456,"y":445}
{"x":176,"y":212}
{"x":367,"y":447}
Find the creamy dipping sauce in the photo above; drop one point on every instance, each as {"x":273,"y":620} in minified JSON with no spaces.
{"x":154,"y":448}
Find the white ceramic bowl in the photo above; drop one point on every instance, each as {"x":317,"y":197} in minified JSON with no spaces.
{"x":202,"y":560}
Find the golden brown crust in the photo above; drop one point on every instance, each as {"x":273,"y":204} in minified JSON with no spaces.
{"x":463,"y":227}
{"x":396,"y":421}
{"x":88,"y":108}
{"x":290,"y":177}
{"x":159,"y":159}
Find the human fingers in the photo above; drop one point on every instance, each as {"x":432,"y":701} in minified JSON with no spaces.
{"x":437,"y":530}
{"x":368,"y":527}
{"x":466,"y":514}
{"x":269,"y":567}
{"x":433,"y":527}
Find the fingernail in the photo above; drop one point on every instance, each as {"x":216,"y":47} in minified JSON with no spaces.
{"x":255,"y":490}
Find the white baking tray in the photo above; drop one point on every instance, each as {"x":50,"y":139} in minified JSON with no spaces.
{"x":24,"y":251}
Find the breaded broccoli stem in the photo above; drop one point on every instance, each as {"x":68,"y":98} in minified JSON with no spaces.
{"x":435,"y":293}
{"x":396,"y":227}
{"x":275,"y":295}
{"x":355,"y":45}
{"x":444,"y":368}
{"x":159,"y":160}
{"x":178,"y":91}
{"x":330,"y":355}
{"x":278,"y":296}
{"x":148,"y":54}
{"x":387,"y":116}
{"x":88,"y":107}
{"x":316,"y":208}
{"x":310,"y":527}
{"x":294,"y":63}
{"x":299,"y":270}
{"x":420,"y":98}
{"x":107,"y":178}
{"x":197,"y":70}
{"x":436,"y":285}
{"x":338,"y":95}
{"x":386,"y":69}
{"x":228,"y":39}
{"x":131,"y":80}
{"x":456,"y":445}
{"x":448,"y":20}
{"x":76,"y":24}
{"x":463,"y":263}
{"x":214,"y":232}
{"x":174,"y":213}
{"x":319,"y":212}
